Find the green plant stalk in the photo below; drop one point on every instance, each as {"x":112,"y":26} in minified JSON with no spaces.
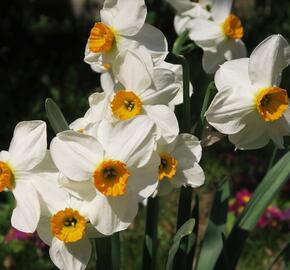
{"x":151,"y":233}
{"x":178,"y":43}
{"x":273,"y":157}
{"x":116,"y":257}
{"x":104,"y":255}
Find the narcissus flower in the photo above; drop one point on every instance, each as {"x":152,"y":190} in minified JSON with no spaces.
{"x":179,"y":164}
{"x":139,"y":91}
{"x":64,"y":225}
{"x":250,"y":106}
{"x":187,"y":11}
{"x":111,"y":173}
{"x":220,"y":38}
{"x":27,"y":149}
{"x":122,"y":27}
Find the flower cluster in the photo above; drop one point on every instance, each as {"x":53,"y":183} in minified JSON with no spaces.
{"x":273,"y":217}
{"x":126,"y":147}
{"x":212,"y":26}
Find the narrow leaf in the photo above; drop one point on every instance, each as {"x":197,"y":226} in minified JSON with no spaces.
{"x":184,"y":230}
{"x":213,"y":239}
{"x":55,"y":116}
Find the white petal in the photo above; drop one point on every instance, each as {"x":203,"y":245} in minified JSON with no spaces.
{"x":95,"y":60}
{"x":164,"y":187}
{"x":70,"y":256}
{"x":165,"y":120}
{"x":44,"y":230}
{"x":131,"y":141}
{"x":99,"y":107}
{"x":268,"y":60}
{"x":4,"y":156}
{"x":144,"y":180}
{"x":233,"y":73}
{"x":181,"y":23}
{"x":132,"y":72}
{"x":113,"y":214}
{"x":28,"y":145}
{"x":166,"y":88}
{"x":126,"y":23}
{"x":181,"y":5}
{"x":206,"y":34}
{"x":187,"y":146}
{"x":234,"y":49}
{"x":228,"y":108}
{"x":221,"y":9}
{"x":153,"y":40}
{"x":253,"y":136}
{"x":107,"y":82}
{"x":25,"y":216}
{"x":75,"y":154}
{"x":189,"y":173}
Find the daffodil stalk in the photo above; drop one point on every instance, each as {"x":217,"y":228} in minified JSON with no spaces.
{"x":151,"y":231}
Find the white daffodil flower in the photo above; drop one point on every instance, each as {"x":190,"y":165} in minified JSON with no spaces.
{"x":139,"y":91}
{"x":179,"y":164}
{"x":112,"y":172}
{"x":250,"y":106}
{"x":122,"y":27}
{"x":220,"y":38}
{"x":187,"y":10}
{"x":64,"y":225}
{"x":27,"y":149}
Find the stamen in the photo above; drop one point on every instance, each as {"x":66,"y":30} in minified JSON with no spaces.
{"x":271,"y":103}
{"x":167,"y":167}
{"x":7,"y":179}
{"x":232,"y":27}
{"x":126,"y":105}
{"x":111,"y":178}
{"x":68,"y":225}
{"x":102,"y":38}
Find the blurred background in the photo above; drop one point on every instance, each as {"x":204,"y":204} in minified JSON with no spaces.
{"x":41,"y":55}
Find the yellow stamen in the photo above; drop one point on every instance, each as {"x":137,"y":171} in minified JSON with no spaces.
{"x":111,"y":177}
{"x":107,"y":66}
{"x":232,"y":27}
{"x":68,"y":225}
{"x":271,"y":103}
{"x":7,"y":179}
{"x":102,"y":38}
{"x":126,"y":105}
{"x":168,"y":166}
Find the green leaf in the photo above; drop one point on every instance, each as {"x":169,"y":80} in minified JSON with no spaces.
{"x":55,"y":116}
{"x":264,"y":194}
{"x":211,"y":89}
{"x":184,"y":230}
{"x":212,"y":243}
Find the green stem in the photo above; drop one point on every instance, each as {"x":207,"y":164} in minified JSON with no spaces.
{"x":178,"y":43}
{"x":104,"y":255}
{"x":273,"y":157}
{"x":151,"y":233}
{"x":116,"y":258}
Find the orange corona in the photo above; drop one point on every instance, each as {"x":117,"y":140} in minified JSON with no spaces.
{"x":232,"y":27}
{"x":167,"y":167}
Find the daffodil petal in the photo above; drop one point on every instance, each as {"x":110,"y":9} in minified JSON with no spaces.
{"x":132,"y":72}
{"x":25,"y":216}
{"x":227,"y":110}
{"x":28,"y":145}
{"x":70,"y":256}
{"x":112,"y":214}
{"x":268,"y":60}
{"x":75,"y":154}
{"x":232,"y":74}
{"x":221,"y":9}
{"x":126,"y":23}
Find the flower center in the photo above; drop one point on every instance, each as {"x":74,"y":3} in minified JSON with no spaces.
{"x":111,"y":177}
{"x":271,"y":103}
{"x":232,"y":27}
{"x":126,"y":105}
{"x":7,"y":179}
{"x":102,"y":38}
{"x":167,"y":167}
{"x":68,"y":225}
